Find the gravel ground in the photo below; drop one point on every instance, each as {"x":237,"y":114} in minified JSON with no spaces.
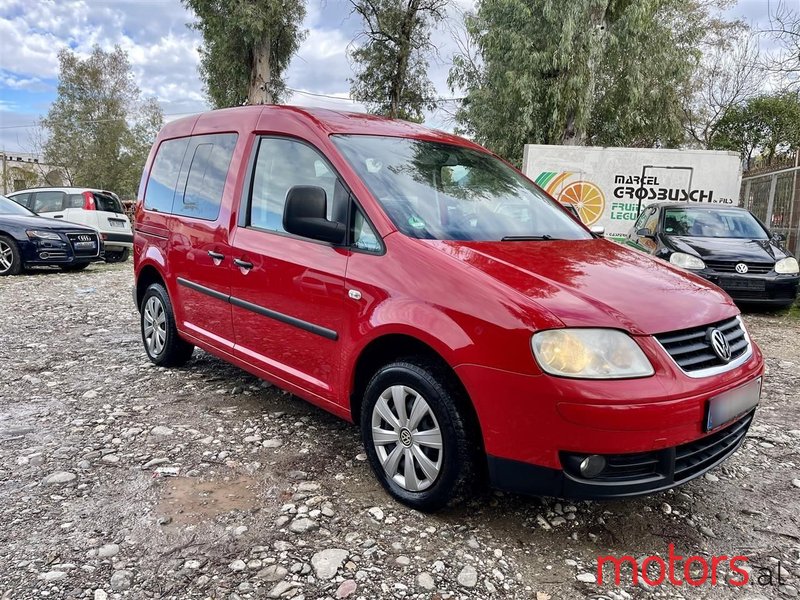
{"x":273,"y":497}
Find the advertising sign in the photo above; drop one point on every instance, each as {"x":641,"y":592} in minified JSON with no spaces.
{"x":610,"y":186}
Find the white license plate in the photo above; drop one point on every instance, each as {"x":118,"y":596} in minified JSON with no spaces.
{"x":726,"y":407}
{"x":116,"y":223}
{"x":79,"y":245}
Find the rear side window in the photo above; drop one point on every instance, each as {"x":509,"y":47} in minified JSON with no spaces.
{"x":74,"y":201}
{"x":205,"y":182}
{"x":44,"y":202}
{"x":164,"y":175}
{"x":107,"y":203}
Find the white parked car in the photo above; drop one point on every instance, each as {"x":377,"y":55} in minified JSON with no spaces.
{"x":99,"y":209}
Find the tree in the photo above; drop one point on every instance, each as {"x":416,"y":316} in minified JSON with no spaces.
{"x":725,"y":77}
{"x":784,"y":28}
{"x":247,"y":46}
{"x":604,"y":72}
{"x":99,"y":130}
{"x":391,"y":66}
{"x":767,"y":126}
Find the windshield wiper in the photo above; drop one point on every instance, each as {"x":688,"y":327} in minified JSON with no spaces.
{"x":527,"y":238}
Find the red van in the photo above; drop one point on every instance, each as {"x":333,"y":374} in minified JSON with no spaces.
{"x":410,"y":281}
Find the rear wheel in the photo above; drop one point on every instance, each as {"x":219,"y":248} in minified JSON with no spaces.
{"x":74,"y":267}
{"x":162,"y":343}
{"x":10,"y":258}
{"x":415,"y":434}
{"x":118,"y":256}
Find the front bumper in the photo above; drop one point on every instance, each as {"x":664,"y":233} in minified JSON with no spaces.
{"x":532,"y":425}
{"x":767,"y":289}
{"x":55,"y":253}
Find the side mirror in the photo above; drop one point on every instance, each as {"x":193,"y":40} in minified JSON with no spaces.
{"x":305,"y":214}
{"x":598,"y":230}
{"x":645,"y":232}
{"x":778,"y":237}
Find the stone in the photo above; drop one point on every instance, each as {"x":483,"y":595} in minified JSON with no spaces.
{"x":273,"y":573}
{"x":376,"y":513}
{"x":111,"y":459}
{"x":796,"y":483}
{"x":121,"y":580}
{"x":60,"y":477}
{"x":468,"y":577}
{"x":237,"y":565}
{"x":403,"y":561}
{"x":425,"y":581}
{"x":302,"y":525}
{"x":281,"y":588}
{"x":327,"y":562}
{"x":100,"y":595}
{"x":155,"y":462}
{"x":52,"y":576}
{"x":587,"y":578}
{"x":108,"y":551}
{"x":161,"y":430}
{"x":308,"y":486}
{"x":272,"y":443}
{"x":347,"y":587}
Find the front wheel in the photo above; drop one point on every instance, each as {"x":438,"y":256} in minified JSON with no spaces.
{"x":415,"y":434}
{"x":10,"y":258}
{"x":162,"y":343}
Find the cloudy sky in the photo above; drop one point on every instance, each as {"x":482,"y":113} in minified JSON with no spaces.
{"x":163,"y":53}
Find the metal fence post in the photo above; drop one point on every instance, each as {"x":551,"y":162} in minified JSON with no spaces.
{"x":771,"y":202}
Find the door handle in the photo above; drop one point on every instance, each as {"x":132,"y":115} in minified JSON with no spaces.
{"x":242,"y":263}
{"x":58,"y":216}
{"x":216,"y":255}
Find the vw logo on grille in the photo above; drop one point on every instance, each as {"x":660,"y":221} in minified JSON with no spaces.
{"x":719,"y":344}
{"x":741,"y":268}
{"x":84,"y":238}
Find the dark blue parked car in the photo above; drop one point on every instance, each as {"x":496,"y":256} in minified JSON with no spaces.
{"x":27,"y":239}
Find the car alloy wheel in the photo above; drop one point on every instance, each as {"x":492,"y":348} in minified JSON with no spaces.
{"x":407,"y":438}
{"x":6,"y":257}
{"x":155,"y":326}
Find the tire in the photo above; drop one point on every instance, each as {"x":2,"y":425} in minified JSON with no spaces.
{"x":444,"y":477}
{"x":118,"y":257}
{"x":10,"y":257}
{"x":74,"y":267}
{"x":162,"y":343}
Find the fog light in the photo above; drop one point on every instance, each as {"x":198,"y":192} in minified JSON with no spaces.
{"x":592,"y":466}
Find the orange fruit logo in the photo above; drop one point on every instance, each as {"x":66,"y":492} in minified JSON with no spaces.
{"x":587,"y":199}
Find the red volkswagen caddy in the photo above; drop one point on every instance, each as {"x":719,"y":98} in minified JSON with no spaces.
{"x":412,"y":282}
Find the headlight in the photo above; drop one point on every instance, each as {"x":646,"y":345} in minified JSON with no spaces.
{"x":37,"y":234}
{"x":590,"y":354}
{"x":686,"y":261}
{"x":787,"y":266}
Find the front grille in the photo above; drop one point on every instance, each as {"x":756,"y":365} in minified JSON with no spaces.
{"x":756,"y":268}
{"x":75,"y":238}
{"x":695,"y":457}
{"x":691,"y":348}
{"x":622,"y":467}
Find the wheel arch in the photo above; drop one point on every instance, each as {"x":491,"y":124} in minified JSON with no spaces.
{"x":391,"y":347}
{"x":147,"y":276}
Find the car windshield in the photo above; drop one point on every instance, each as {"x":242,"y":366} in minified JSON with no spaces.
{"x":438,"y":191}
{"x":713,"y":223}
{"x":9,"y":207}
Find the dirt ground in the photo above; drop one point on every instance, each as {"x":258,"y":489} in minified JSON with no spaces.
{"x":273,"y":497}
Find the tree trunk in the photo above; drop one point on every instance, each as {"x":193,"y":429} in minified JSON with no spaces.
{"x":404,"y":52}
{"x":260,"y":92}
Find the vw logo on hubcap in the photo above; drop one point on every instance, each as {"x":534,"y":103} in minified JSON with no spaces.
{"x":741,"y":268}
{"x":719,"y":344}
{"x":405,"y":437}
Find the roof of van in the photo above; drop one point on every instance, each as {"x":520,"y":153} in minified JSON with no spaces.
{"x":327,"y":120}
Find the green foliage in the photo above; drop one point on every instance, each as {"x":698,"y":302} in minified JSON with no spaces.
{"x":766,"y":126}
{"x":99,"y":130}
{"x":601,"y":72}
{"x":247,"y":46}
{"x":391,"y":66}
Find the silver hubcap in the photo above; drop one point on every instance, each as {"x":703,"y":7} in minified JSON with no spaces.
{"x":6,"y":257}
{"x":155,"y":326}
{"x":407,"y":438}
